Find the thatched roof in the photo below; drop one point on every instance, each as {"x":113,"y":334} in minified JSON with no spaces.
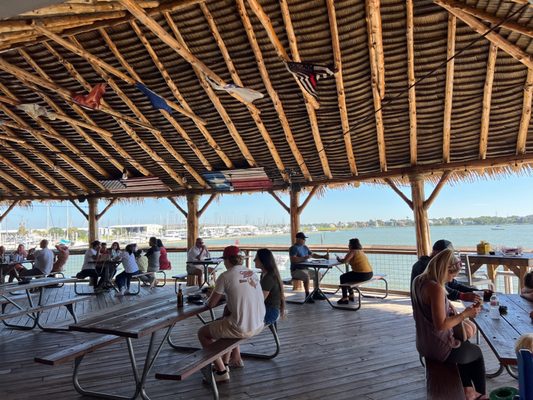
{"x":374,"y":119}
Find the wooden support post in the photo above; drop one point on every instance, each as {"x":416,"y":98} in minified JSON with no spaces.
{"x":295,"y":212}
{"x":93,"y":222}
{"x":420,"y":214}
{"x":192,"y":219}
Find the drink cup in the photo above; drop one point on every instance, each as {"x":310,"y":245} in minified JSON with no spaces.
{"x":481,"y":295}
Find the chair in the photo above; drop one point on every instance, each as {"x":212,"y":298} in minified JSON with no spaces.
{"x":525,"y":374}
{"x":471,"y":279}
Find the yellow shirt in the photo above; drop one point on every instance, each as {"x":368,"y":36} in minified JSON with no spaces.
{"x":359,"y":262}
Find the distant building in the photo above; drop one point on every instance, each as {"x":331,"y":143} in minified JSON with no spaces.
{"x":132,"y":229}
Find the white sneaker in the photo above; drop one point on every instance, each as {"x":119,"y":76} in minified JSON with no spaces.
{"x":219,"y":378}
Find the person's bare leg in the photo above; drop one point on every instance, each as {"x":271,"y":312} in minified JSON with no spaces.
{"x":200,"y":275}
{"x":235,"y":355}
{"x":204,"y":336}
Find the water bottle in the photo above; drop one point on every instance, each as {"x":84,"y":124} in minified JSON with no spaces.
{"x":494,"y":311}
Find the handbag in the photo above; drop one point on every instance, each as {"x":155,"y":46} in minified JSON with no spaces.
{"x":464,"y":330}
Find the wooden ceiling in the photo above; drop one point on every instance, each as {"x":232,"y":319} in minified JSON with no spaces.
{"x":419,"y":87}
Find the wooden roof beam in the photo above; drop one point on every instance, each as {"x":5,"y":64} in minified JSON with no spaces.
{"x":8,"y":210}
{"x":374,"y":73}
{"x":278,"y":46}
{"x":237,"y":80}
{"x":525,"y":119}
{"x":170,"y":83}
{"x":321,"y":151}
{"x":170,"y":41}
{"x":413,"y":134}
{"x":17,"y":183}
{"x":176,"y":204}
{"x":339,"y":81}
{"x":20,"y":172}
{"x":265,"y":77}
{"x":107,"y":207}
{"x":511,"y":49}
{"x":448,"y":91}
{"x":108,"y":138}
{"x":84,"y":8}
{"x":487,"y":97}
{"x":442,"y":181}
{"x":513,"y":26}
{"x":373,"y":12}
{"x":216,"y":101}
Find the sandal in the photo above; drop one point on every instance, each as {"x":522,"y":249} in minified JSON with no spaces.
{"x":342,"y":302}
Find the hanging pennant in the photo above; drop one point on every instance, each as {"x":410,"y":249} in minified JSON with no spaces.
{"x":35,"y":111}
{"x":249,"y":95}
{"x":308,"y":75}
{"x":91,"y":100}
{"x":157,"y":101}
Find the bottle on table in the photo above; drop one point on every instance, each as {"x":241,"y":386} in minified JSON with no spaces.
{"x":327,"y":254}
{"x":180,"y":296}
{"x":494,"y":311}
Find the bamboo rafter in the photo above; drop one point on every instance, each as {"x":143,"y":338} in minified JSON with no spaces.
{"x":278,"y":105}
{"x":413,"y":134}
{"x":157,"y":134}
{"x":487,"y":97}
{"x":216,"y":101}
{"x":375,"y":41}
{"x":374,"y":73}
{"x":526,"y":114}
{"x":8,"y":210}
{"x":511,"y":49}
{"x":20,"y":172}
{"x":339,"y":81}
{"x":237,"y":80}
{"x":309,"y":107}
{"x":108,"y":138}
{"x":16,"y":183}
{"x":278,"y":46}
{"x":448,"y":91}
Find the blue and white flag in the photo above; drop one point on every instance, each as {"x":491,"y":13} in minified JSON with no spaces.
{"x":157,"y":101}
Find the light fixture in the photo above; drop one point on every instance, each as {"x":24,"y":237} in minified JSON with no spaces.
{"x":230,"y":183}
{"x":124,"y":175}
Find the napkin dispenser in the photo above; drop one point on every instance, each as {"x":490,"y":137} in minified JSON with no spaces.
{"x":483,"y":247}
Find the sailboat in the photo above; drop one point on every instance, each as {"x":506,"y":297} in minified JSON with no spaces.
{"x":498,"y":228}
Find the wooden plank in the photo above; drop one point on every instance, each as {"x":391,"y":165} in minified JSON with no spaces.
{"x":487,"y":97}
{"x":413,"y":134}
{"x":526,"y":114}
{"x":448,"y":91}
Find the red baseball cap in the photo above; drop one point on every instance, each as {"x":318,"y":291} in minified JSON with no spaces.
{"x":230,"y":251}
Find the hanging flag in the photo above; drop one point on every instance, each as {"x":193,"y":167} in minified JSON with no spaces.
{"x":91,"y":100}
{"x":308,"y":75}
{"x":35,"y":110}
{"x":157,"y":101}
{"x":249,"y":95}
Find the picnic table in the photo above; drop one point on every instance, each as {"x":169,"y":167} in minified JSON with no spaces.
{"x":518,"y":264}
{"x":206,"y":263}
{"x":316,"y":265}
{"x":5,"y":267}
{"x":135,"y":320}
{"x":21,"y":296}
{"x":501,"y":334}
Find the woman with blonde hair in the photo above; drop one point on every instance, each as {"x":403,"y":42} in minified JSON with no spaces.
{"x":435,"y":319}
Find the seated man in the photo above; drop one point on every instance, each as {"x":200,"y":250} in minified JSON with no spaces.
{"x":456,"y":290}
{"x":198,"y":252}
{"x":44,"y":261}
{"x":244,"y":312}
{"x":299,"y":253}
{"x":88,"y":268}
{"x":61,"y":257}
{"x":153,"y":255}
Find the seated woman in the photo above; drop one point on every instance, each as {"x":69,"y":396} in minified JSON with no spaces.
{"x":123,"y":279}
{"x":164,"y":263}
{"x":435,"y":320}
{"x":527,"y":290}
{"x":115,"y":253}
{"x":244,"y":312}
{"x":361,"y":269}
{"x":271,"y":284}
{"x":17,"y":257}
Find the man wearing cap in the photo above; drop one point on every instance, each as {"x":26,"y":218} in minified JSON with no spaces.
{"x":244,"y":312}
{"x":456,"y":290}
{"x":299,"y":253}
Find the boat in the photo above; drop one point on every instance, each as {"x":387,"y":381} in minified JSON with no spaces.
{"x":497,"y":228}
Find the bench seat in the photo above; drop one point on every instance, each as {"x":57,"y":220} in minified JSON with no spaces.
{"x":443,"y":381}
{"x":200,"y":360}
{"x":356,"y":286}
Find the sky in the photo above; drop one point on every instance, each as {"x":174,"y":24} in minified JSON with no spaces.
{"x":502,"y":197}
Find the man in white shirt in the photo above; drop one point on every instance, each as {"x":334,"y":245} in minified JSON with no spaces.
{"x":88,"y":268}
{"x":44,"y":260}
{"x":198,"y":252}
{"x":244,"y":313}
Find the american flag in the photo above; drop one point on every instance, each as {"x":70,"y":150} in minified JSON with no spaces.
{"x":135,"y":185}
{"x":308,"y":75}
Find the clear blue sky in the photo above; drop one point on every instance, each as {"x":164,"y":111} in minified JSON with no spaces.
{"x":503,"y":197}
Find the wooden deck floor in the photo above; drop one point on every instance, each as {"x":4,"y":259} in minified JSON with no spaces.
{"x":366,"y":355}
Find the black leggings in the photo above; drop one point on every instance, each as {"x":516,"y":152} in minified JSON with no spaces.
{"x":469,"y":360}
{"x":354,"y":277}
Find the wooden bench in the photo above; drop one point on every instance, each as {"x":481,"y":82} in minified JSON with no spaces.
{"x":34,"y":312}
{"x":190,"y":280}
{"x":200,"y":360}
{"x":443,"y":381}
{"x":357,"y":287}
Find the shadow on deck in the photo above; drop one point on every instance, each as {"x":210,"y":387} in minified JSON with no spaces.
{"x":366,"y":355}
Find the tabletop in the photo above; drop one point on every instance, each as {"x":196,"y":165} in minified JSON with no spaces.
{"x":139,"y":318}
{"x":7,"y":288}
{"x":501,"y":334}
{"x":318,"y":263}
{"x":207,"y":261}
{"x":525,"y":259}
